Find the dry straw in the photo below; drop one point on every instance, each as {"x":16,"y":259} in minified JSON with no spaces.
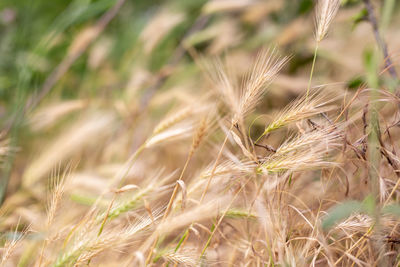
{"x":233,"y":201}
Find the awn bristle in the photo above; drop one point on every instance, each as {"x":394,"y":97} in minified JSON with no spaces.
{"x":185,"y":258}
{"x":303,"y":153}
{"x":265,"y":68}
{"x":199,"y":134}
{"x":181,"y":130}
{"x":10,"y":245}
{"x":325,"y":13}
{"x":229,"y":168}
{"x":225,"y":85}
{"x":328,"y":136}
{"x":242,"y":99}
{"x":122,"y":207}
{"x":58,"y":188}
{"x":301,"y":108}
{"x":173,"y":119}
{"x":89,"y":244}
{"x":178,"y":125}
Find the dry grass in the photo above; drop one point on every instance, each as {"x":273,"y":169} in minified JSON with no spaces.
{"x":180,"y":181}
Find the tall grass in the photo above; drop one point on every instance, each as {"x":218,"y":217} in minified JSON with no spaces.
{"x":165,"y":171}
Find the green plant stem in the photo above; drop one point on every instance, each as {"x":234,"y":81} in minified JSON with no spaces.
{"x":221,"y":219}
{"x":308,"y":86}
{"x":373,"y":142}
{"x":183,"y":238}
{"x":264,"y":133}
{"x":106,"y":216}
{"x":312,"y":69}
{"x":374,"y":150}
{"x":387,"y":11}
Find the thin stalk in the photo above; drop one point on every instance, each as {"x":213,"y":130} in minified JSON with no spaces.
{"x":366,"y":235}
{"x":131,"y":160}
{"x":183,"y":238}
{"x":374,"y":155}
{"x":308,"y":86}
{"x":395,"y":187}
{"x":387,"y":11}
{"x":373,"y":142}
{"x":258,"y":139}
{"x":42,"y":253}
{"x":215,"y":166}
{"x":106,"y":216}
{"x":266,"y":131}
{"x":181,"y":241}
{"x":175,"y":192}
{"x":312,"y":69}
{"x":104,"y":220}
{"x":168,"y":209}
{"x":221,"y":219}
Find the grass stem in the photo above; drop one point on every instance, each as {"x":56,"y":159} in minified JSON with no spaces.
{"x":312,"y":69}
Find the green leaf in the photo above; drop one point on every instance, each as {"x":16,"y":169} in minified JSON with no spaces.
{"x":369,"y":204}
{"x":340,"y":212}
{"x":348,"y":3}
{"x":355,"y":83}
{"x":238,"y":214}
{"x":392,"y":209}
{"x":359,"y":17}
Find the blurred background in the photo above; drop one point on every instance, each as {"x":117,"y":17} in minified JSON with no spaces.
{"x":89,"y":79}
